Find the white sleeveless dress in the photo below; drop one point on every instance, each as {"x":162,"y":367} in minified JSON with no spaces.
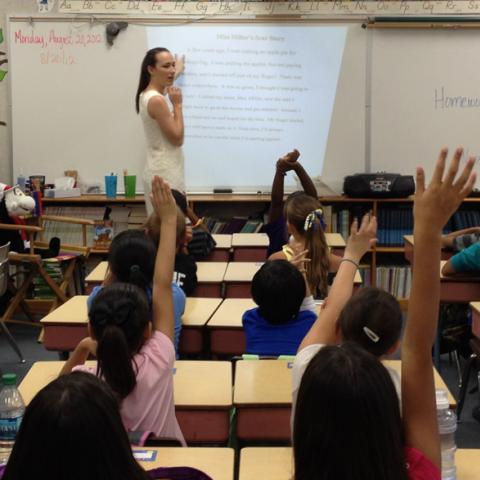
{"x":163,"y":158}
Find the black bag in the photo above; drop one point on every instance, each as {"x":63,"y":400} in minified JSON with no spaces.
{"x":202,"y":243}
{"x":379,"y":185}
{"x":456,"y":328}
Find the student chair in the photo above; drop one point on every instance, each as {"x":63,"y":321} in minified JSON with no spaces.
{"x":30,"y":266}
{"x":4,"y":267}
{"x":472,"y":365}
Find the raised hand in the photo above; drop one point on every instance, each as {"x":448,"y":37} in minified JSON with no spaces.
{"x":162,"y":199}
{"x":435,"y":204}
{"x":288,"y":161}
{"x":361,"y":239}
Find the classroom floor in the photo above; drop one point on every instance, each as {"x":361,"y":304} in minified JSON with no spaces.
{"x":468,"y":434}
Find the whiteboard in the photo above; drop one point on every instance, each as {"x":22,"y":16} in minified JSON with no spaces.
{"x":425,"y":94}
{"x":73,"y":100}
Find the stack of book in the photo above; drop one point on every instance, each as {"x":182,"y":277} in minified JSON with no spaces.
{"x":41,"y":290}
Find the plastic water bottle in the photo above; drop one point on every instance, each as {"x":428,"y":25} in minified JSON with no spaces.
{"x":22,"y":182}
{"x":12,"y":409}
{"x":447,"y":425}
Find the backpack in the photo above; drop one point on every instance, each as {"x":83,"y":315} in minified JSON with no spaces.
{"x":202,"y":243}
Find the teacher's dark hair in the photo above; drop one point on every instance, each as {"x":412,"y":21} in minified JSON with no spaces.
{"x":72,"y":429}
{"x":148,"y":61}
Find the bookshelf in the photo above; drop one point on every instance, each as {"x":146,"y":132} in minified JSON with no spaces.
{"x":394,"y":214}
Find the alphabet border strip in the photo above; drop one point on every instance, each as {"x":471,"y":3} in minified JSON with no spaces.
{"x":281,"y":8}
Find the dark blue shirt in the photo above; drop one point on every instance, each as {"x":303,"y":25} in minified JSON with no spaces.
{"x":264,"y":338}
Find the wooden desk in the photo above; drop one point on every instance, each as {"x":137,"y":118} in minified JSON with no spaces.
{"x":439,"y":383}
{"x":210,"y":277}
{"x":203,"y":399}
{"x":238,"y":278}
{"x":202,"y":389}
{"x":336,"y":243}
{"x":197,"y":313}
{"x":96,"y":276}
{"x":221,"y":253}
{"x":66,"y":325}
{"x":459,"y":288}
{"x":225,"y":326}
{"x":250,"y":247}
{"x":408,"y":241}
{"x":475,"y":307}
{"x":266,"y":463}
{"x":209,"y":274}
{"x":216,"y":462}
{"x":276,"y":463}
{"x":263,"y":397}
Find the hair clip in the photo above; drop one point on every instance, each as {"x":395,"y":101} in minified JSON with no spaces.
{"x":309,"y":221}
{"x":371,"y":335}
{"x":311,"y":217}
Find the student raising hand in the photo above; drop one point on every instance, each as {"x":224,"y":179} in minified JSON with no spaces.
{"x":162,"y":200}
{"x":433,"y":206}
{"x":361,"y":238}
{"x":166,"y":209}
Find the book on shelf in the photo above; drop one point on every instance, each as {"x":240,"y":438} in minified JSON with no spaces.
{"x":365,"y":272}
{"x":394,"y":279}
{"x":327,"y":215}
{"x":393,"y":223}
{"x":123,"y":218}
{"x":341,"y":219}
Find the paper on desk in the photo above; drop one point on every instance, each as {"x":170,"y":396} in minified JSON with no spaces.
{"x":145,"y":455}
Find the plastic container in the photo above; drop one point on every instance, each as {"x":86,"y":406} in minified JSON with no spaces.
{"x":22,"y":182}
{"x":447,"y":426}
{"x":12,"y":409}
{"x":111,"y":186}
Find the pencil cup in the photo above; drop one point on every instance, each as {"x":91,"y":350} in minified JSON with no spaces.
{"x":111,"y":186}
{"x":130,"y":182}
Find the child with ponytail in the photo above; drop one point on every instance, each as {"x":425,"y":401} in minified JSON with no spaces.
{"x":136,"y":362}
{"x":131,"y":259}
{"x":306,"y":226}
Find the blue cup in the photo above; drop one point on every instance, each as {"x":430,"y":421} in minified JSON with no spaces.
{"x":111,"y":186}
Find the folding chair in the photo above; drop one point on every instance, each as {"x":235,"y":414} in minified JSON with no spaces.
{"x":31,"y":265}
{"x":4,"y":275}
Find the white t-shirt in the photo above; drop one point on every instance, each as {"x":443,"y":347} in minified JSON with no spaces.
{"x":301,"y":362}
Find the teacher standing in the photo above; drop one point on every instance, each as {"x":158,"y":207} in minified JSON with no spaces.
{"x":159,"y":104}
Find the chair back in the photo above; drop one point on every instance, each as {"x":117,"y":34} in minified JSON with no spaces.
{"x":4,"y":267}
